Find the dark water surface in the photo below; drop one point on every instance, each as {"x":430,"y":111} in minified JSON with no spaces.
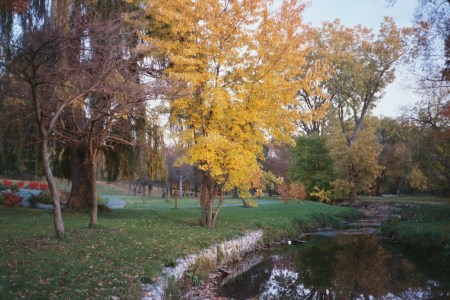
{"x":342,"y":266}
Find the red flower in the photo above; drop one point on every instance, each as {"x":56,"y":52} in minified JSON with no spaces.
{"x":43,"y":186}
{"x":7,"y":183}
{"x":33,"y":185}
{"x":20,"y":184}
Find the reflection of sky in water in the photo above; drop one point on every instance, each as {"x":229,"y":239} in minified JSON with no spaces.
{"x":283,"y":283}
{"x":340,"y":267}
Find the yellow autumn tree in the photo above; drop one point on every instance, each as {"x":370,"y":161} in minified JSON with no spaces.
{"x":364,"y":65}
{"x":237,"y":61}
{"x":357,"y":166}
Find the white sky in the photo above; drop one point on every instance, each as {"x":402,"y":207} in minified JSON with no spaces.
{"x":370,"y":13}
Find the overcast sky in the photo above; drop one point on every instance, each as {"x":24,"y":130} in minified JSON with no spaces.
{"x":370,"y":13}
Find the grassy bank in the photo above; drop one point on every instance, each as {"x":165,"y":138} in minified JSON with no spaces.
{"x":425,"y":199}
{"x":423,"y":231}
{"x":128,"y":246}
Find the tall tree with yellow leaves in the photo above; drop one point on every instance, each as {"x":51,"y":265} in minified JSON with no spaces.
{"x":364,"y":65}
{"x":237,"y":60}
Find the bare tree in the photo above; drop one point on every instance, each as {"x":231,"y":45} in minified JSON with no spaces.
{"x":95,"y":92}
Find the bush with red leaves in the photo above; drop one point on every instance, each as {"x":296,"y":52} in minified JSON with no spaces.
{"x":7,"y":183}
{"x":20,"y":184}
{"x":292,"y":191}
{"x":10,"y":199}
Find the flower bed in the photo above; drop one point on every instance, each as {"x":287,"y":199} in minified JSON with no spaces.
{"x":32,"y":185}
{"x":10,"y":199}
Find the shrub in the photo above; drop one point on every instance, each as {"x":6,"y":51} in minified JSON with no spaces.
{"x":102,"y":204}
{"x":340,"y":189}
{"x":7,"y":183}
{"x":103,"y":208}
{"x":2,"y":186}
{"x":175,"y":289}
{"x":202,"y":267}
{"x":45,"y":197}
{"x":20,"y":184}
{"x":34,"y":200}
{"x":10,"y":199}
{"x":321,"y":194}
{"x":14,"y":188}
{"x":63,"y":196}
{"x":292,"y":191}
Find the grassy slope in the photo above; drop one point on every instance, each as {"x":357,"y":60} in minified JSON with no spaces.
{"x":128,"y":245}
{"x":423,"y":231}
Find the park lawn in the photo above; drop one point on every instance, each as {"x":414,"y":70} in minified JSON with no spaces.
{"x":136,"y":202}
{"x":129,"y":246}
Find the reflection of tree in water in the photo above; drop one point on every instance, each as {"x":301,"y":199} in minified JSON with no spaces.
{"x":345,"y":267}
{"x":247,"y":285}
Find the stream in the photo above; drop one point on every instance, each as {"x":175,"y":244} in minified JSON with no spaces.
{"x":348,"y":263}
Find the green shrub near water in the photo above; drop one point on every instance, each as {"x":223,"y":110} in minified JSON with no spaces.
{"x":43,"y":197}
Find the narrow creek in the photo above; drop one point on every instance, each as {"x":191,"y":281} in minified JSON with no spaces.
{"x":350,"y":262}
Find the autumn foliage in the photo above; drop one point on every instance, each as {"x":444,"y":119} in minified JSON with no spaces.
{"x":292,"y":191}
{"x":236,"y":64}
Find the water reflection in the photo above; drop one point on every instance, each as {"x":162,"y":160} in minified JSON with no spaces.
{"x":341,"y":267}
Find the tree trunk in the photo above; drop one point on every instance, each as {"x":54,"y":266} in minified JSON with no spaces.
{"x":93,"y":194}
{"x":167,"y":193}
{"x":81,"y":174}
{"x":207,"y":197}
{"x":210,"y":209}
{"x":234,"y":193}
{"x":216,"y":213}
{"x":399,"y":186}
{"x":203,"y":202}
{"x":83,"y":194}
{"x":143,"y":190}
{"x":57,"y":216}
{"x":378,"y":187}
{"x":181,"y":186}
{"x":352,"y":184}
{"x":176,"y":197}
{"x":352,"y":195}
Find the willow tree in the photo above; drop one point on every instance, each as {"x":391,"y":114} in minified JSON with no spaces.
{"x":236,"y":60}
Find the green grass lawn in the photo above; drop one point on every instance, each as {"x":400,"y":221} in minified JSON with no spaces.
{"x":136,"y":202}
{"x":407,"y":199}
{"x":129,"y":244}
